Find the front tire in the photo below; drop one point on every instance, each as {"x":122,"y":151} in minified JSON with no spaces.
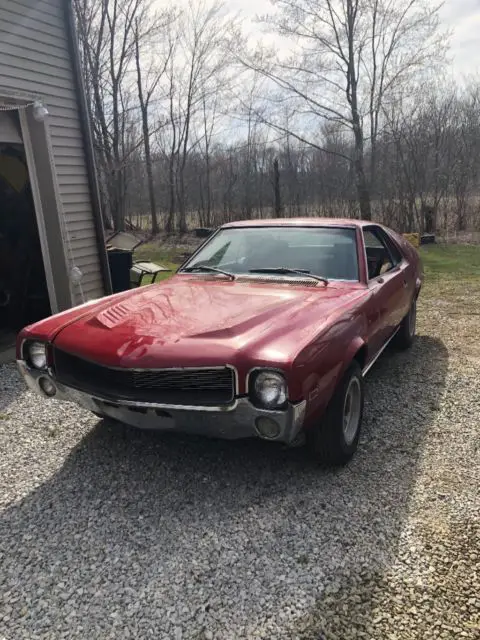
{"x":334,"y":440}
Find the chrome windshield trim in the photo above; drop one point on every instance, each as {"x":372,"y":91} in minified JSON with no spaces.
{"x":240,"y":227}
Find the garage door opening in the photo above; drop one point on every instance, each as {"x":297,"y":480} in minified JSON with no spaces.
{"x":23,"y":286}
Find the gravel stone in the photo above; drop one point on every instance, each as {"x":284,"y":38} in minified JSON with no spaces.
{"x":110,"y":533}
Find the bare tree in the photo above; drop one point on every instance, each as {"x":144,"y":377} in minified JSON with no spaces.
{"x":91,"y":26}
{"x":109,"y":36}
{"x":350,"y":123}
{"x":209,"y":121}
{"x":350,"y":57}
{"x":276,"y":188}
{"x":147,"y":85}
{"x":464,"y":166}
{"x":195,"y":77}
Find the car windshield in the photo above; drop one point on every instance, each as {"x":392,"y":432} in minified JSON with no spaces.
{"x":328,"y":252}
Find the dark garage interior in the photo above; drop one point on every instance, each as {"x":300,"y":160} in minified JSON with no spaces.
{"x":23,"y":289}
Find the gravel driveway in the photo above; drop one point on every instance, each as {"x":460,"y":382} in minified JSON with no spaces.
{"x":106,"y":532}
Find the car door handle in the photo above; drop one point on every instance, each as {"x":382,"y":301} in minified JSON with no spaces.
{"x":405,"y":284}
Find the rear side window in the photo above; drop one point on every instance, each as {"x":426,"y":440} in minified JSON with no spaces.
{"x":382,"y":253}
{"x":394,"y":251}
{"x":371,"y":240}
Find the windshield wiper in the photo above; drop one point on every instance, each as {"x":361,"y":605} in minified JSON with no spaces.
{"x":285,"y":270}
{"x":207,"y":268}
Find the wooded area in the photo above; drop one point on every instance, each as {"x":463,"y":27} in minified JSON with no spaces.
{"x":195,"y":124}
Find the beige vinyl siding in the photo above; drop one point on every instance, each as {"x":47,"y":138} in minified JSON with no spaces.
{"x":35,"y":63}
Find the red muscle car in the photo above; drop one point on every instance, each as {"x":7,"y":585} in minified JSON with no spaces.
{"x":267,"y":330}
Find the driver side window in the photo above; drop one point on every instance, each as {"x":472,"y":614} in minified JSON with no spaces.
{"x":380,"y":259}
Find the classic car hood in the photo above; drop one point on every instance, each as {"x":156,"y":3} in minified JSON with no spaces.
{"x":186,"y":316}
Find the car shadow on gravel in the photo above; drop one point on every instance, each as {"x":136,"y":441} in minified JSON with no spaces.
{"x":7,"y":385}
{"x":146,"y":523}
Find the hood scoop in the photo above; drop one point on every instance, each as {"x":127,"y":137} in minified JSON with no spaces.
{"x":114,"y":316}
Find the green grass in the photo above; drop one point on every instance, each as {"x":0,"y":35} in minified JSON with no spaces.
{"x":451,"y":261}
{"x":167,"y":259}
{"x":452,"y":277}
{"x":445,"y":262}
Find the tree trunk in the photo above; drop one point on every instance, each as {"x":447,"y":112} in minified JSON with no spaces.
{"x":182,"y":205}
{"x":146,"y":134}
{"x":208,"y":187}
{"x":276,"y":188}
{"x":116,"y":201}
{"x":151,"y":186}
{"x":170,"y":224}
{"x":363,"y":192}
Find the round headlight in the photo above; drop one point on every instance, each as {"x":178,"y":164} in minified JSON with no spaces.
{"x":270,"y":389}
{"x":37,"y":354}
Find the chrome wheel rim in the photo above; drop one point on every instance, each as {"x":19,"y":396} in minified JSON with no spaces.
{"x":412,"y":320}
{"x":351,"y":410}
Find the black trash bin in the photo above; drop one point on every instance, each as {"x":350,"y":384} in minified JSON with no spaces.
{"x":120,"y":262}
{"x":203,"y":232}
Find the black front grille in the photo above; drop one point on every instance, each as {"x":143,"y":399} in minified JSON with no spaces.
{"x":195,"y":387}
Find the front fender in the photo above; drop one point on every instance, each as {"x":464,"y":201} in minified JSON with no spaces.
{"x":356,"y":346}
{"x":319,"y":387}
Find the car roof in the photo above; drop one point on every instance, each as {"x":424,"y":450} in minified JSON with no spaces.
{"x":299,"y":222}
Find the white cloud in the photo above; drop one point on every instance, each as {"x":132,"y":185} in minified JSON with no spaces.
{"x":463,"y":16}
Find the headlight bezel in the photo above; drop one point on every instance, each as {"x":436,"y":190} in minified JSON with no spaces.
{"x":254,"y":376}
{"x":30,"y":358}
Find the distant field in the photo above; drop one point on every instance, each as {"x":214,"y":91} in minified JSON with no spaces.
{"x":451,"y":261}
{"x":446,"y":220}
{"x":445,"y":262}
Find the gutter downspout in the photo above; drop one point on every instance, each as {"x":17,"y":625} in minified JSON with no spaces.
{"x":88,"y":144}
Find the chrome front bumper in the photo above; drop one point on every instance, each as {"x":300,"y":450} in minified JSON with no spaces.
{"x":233,"y":422}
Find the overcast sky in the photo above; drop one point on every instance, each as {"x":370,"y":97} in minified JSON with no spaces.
{"x":462,"y":15}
